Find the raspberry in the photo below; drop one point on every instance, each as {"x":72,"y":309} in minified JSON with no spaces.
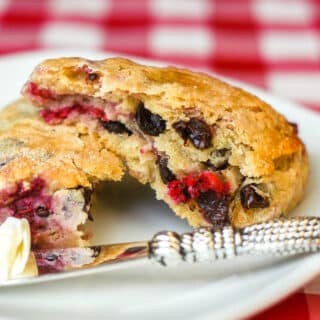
{"x":29,"y":201}
{"x":40,"y":92}
{"x":202,"y":182}
{"x":56,"y":116}
{"x":176,"y":191}
{"x":209,"y":181}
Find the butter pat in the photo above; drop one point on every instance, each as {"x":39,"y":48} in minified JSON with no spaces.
{"x":16,"y":260}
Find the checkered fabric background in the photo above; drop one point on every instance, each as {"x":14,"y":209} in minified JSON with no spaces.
{"x":270,"y":43}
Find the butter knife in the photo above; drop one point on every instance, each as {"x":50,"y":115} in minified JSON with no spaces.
{"x":280,"y":237}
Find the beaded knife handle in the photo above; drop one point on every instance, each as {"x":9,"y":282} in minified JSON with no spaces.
{"x":281,"y":237}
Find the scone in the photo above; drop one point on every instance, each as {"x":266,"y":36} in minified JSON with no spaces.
{"x":215,"y":153}
{"x":47,"y":175}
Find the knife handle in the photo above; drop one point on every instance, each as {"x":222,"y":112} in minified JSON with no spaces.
{"x":280,"y":237}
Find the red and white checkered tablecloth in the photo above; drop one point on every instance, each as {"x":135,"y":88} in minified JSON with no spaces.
{"x":274,"y":44}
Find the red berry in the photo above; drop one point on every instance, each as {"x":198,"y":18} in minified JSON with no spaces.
{"x":176,"y":191}
{"x":56,"y":116}
{"x":209,"y":181}
{"x":194,"y":184}
{"x":191,"y":182}
{"x":41,"y":92}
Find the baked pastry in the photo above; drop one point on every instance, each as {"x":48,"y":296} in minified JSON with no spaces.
{"x":47,"y":175}
{"x":215,"y":153}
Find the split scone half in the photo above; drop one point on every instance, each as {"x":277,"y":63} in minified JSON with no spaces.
{"x":47,"y":175}
{"x":215,"y":153}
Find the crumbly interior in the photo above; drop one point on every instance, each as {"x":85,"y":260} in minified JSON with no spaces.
{"x":55,"y":219}
{"x":234,"y":163}
{"x":47,"y":175}
{"x":172,"y":127}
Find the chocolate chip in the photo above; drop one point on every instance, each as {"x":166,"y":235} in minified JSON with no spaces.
{"x":250,"y":199}
{"x":115,"y":127}
{"x":149,"y":123}
{"x":51,"y":257}
{"x":215,"y":207}
{"x":93,"y":76}
{"x":195,"y":130}
{"x":42,"y":212}
{"x":165,"y":173}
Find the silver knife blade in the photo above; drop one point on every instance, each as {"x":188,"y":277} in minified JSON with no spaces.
{"x":68,"y":259}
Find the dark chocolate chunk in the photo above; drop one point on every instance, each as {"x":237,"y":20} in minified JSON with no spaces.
{"x":215,"y":207}
{"x":195,"y":130}
{"x":250,"y":199}
{"x":165,"y":173}
{"x":42,"y":212}
{"x":115,"y":127}
{"x":149,"y":123}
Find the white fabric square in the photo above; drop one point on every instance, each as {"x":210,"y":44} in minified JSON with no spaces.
{"x":91,"y":8}
{"x":188,"y":41}
{"x":181,"y":8}
{"x":289,"y":45}
{"x":279,"y":11}
{"x":71,"y":35}
{"x":303,"y":86}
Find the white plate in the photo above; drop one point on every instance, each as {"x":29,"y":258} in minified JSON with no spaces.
{"x":227,"y":290}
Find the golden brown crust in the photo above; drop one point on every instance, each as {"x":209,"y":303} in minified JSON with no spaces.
{"x":248,"y":120}
{"x":31,"y":148}
{"x":265,"y":148}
